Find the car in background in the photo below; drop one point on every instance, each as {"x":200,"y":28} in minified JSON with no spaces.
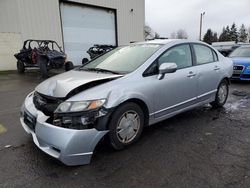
{"x":225,"y":48}
{"x":241,"y":63}
{"x":120,"y":92}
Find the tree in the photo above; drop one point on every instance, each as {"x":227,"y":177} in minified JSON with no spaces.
{"x":181,"y":34}
{"x":243,"y":34}
{"x":157,"y":35}
{"x":210,"y":37}
{"x":148,"y":32}
{"x":215,"y":37}
{"x":233,"y":33}
{"x":225,"y":34}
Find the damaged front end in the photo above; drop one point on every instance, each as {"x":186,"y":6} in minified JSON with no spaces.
{"x":85,"y":115}
{"x":64,"y":129}
{"x":69,"y":137}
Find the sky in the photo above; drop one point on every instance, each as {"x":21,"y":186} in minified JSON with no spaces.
{"x":167,"y":16}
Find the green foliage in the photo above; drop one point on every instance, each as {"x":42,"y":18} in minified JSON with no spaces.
{"x":229,"y":34}
{"x":243,"y":34}
{"x":210,"y":37}
{"x":234,"y":33}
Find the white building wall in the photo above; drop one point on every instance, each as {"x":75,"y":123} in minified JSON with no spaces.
{"x":130,"y":24}
{"x":10,"y":43}
{"x":40,"y":19}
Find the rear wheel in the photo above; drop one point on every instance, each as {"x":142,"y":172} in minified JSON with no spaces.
{"x":221,"y":95}
{"x":20,"y":67}
{"x":126,"y":125}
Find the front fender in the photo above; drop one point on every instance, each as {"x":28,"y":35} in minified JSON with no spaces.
{"x":117,"y":97}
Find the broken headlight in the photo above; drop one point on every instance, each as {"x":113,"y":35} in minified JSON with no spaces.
{"x":79,"y":106}
{"x":78,"y":115}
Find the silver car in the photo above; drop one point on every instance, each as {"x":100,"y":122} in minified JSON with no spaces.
{"x":121,"y":92}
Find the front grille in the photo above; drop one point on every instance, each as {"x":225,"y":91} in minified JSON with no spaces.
{"x":46,"y":104}
{"x":29,"y":120}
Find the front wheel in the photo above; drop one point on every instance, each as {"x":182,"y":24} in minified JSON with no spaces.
{"x":221,"y":95}
{"x":126,"y":125}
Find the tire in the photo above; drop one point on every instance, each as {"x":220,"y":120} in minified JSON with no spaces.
{"x":126,"y":125}
{"x":20,"y":67}
{"x":69,"y":66}
{"x":221,"y":94}
{"x":43,"y":68}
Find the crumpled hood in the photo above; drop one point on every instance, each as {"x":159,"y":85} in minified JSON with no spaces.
{"x":60,"y":85}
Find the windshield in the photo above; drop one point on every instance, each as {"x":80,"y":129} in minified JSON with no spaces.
{"x":124,"y":59}
{"x":241,"y":52}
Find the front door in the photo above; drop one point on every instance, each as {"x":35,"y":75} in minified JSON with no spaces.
{"x":176,"y":90}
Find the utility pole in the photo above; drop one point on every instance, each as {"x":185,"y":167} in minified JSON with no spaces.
{"x":202,"y":14}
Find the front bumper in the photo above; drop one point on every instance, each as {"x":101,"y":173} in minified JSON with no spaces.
{"x":72,"y":147}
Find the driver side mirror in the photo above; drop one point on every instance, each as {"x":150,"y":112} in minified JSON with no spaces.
{"x":166,"y":68}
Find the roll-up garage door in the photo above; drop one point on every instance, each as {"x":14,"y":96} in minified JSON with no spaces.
{"x":83,"y":26}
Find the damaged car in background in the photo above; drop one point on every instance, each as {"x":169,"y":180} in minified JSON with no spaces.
{"x":119,"y":93}
{"x":42,"y":54}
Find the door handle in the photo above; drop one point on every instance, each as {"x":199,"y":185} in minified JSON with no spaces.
{"x":191,"y":74}
{"x":216,"y":68}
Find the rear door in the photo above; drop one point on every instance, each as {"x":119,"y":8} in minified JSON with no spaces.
{"x":208,"y":69}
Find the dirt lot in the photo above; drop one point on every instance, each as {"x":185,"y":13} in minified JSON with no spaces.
{"x":200,"y":148}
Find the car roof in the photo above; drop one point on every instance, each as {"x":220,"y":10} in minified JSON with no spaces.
{"x":245,"y":46}
{"x":157,"y":41}
{"x":167,"y":41}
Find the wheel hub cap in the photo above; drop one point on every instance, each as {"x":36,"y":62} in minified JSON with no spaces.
{"x":128,"y":126}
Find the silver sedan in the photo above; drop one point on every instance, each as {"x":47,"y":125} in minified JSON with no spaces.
{"x":119,"y":93}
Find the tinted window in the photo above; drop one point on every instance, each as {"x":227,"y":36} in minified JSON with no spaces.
{"x":203,"y":54}
{"x":181,"y":55}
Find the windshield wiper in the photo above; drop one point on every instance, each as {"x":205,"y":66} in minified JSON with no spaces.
{"x":100,"y":70}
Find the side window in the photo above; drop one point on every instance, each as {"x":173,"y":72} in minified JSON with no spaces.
{"x":181,"y":55}
{"x":203,"y":54}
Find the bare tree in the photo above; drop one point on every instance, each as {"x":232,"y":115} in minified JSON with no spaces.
{"x":181,"y":34}
{"x":148,"y":32}
{"x":157,"y":35}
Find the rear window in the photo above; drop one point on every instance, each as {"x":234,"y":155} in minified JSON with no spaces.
{"x":241,"y":52}
{"x":203,"y":54}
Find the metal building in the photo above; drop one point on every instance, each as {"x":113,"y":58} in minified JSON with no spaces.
{"x":76,"y":25}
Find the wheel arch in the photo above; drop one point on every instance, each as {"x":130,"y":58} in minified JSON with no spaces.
{"x":141,"y":104}
{"x":227,"y":79}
